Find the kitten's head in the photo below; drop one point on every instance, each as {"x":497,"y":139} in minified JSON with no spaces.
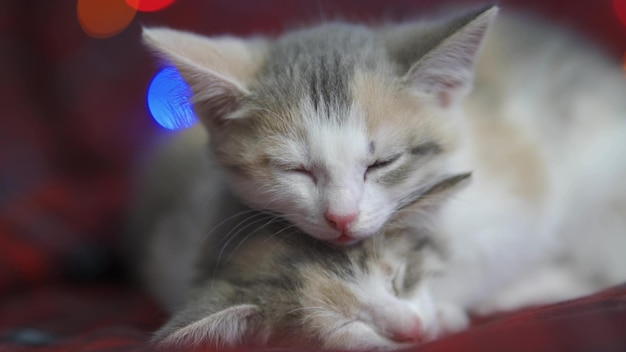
{"x":337,"y":127}
{"x":302,"y":293}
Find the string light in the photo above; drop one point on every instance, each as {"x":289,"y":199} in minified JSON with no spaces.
{"x":168,"y":100}
{"x":104,"y":18}
{"x":619,"y":6}
{"x":149,"y":5}
{"x":168,"y":95}
{"x":620,"y":10}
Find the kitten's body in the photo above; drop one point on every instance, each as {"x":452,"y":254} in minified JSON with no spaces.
{"x":542,"y":133}
{"x":272,"y":285}
{"x":548,"y":127}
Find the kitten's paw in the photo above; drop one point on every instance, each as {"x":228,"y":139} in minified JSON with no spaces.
{"x":452,"y":318}
{"x":448,"y":319}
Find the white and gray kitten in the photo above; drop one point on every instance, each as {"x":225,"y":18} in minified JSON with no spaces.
{"x":340,"y":128}
{"x":270,"y":285}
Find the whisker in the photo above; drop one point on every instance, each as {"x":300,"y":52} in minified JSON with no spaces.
{"x":321,"y":313}
{"x":306,"y":308}
{"x":333,"y":330}
{"x":291,"y":233}
{"x":317,"y":299}
{"x":236,"y":229}
{"x":248,"y":236}
{"x":281,"y":231}
{"x":233,"y":236}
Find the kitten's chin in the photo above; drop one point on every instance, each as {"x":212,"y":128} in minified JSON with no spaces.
{"x":342,"y":240}
{"x":331,"y":236}
{"x":345,"y":241}
{"x":348,"y":239}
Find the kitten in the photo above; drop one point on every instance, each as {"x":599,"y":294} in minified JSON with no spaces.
{"x":340,"y":128}
{"x":273,"y":286}
{"x":334,"y":127}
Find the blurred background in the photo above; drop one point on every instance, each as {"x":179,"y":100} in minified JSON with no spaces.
{"x":74,"y":79}
{"x":73,"y":106}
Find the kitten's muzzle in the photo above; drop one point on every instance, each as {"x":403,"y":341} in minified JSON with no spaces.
{"x":342,"y":223}
{"x":410,"y":333}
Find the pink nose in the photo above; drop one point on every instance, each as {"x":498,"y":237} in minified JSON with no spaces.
{"x":340,"y":222}
{"x":410,"y":333}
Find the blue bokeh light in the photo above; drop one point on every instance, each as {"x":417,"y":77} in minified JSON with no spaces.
{"x":169,"y":100}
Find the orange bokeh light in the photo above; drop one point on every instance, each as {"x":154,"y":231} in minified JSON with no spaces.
{"x":104,"y":18}
{"x":149,"y":5}
{"x":620,"y":10}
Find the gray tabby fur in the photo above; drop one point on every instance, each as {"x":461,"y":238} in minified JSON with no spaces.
{"x":504,"y":149}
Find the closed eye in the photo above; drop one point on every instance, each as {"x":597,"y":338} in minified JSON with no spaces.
{"x":427,"y":148}
{"x":302,"y":171}
{"x":380,"y":164}
{"x":290,"y":167}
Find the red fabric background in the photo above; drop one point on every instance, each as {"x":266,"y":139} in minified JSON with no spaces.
{"x":73,"y":119}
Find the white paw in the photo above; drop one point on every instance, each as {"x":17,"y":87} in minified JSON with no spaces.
{"x":452,"y":318}
{"x":448,"y":319}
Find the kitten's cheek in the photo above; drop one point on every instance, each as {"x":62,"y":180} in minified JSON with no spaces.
{"x":364,"y":229}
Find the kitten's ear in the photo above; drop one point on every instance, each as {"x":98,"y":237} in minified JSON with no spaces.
{"x":217,"y":70}
{"x":447,"y":70}
{"x":230,"y":327}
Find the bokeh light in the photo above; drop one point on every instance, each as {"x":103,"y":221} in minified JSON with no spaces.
{"x":620,"y":10}
{"x":104,"y":18}
{"x":169,"y":100}
{"x":149,"y":5}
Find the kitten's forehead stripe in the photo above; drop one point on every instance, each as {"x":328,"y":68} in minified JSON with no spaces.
{"x":426,"y":149}
{"x":399,"y":174}
{"x":412,"y":277}
{"x":318,"y":65}
{"x":328,"y":80}
{"x":404,"y":171}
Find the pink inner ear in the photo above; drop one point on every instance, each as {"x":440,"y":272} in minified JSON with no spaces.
{"x":444,"y":99}
{"x":447,"y":70}
{"x":215,"y":100}
{"x":229,"y":328}
{"x":444,"y":96}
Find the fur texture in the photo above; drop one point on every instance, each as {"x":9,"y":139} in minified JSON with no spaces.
{"x":503,"y":140}
{"x":276,"y":286}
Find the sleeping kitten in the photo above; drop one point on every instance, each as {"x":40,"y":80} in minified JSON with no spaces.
{"x":334,"y":127}
{"x":272,"y":286}
{"x":262,"y":283}
{"x":340,"y":128}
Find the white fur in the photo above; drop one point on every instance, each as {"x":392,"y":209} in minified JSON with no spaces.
{"x":504,"y":250}
{"x":226,"y":328}
{"x":379,"y":315}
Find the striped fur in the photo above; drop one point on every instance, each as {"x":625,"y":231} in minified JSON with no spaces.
{"x":493,"y":159}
